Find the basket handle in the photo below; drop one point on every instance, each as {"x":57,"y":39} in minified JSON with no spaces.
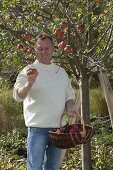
{"x":77,"y":118}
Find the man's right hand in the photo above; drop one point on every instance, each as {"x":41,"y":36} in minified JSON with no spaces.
{"x":31,"y":76}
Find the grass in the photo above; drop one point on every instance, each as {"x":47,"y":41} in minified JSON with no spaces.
{"x":13,"y":149}
{"x":98,"y":106}
{"x":11,"y":114}
{"x":13,"y":135}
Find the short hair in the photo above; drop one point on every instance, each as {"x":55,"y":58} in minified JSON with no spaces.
{"x":44,"y":36}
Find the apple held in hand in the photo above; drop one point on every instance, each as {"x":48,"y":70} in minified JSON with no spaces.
{"x":32,"y":72}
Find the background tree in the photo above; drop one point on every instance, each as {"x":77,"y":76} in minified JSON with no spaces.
{"x":82,"y":33}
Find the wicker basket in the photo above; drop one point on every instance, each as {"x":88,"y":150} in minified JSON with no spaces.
{"x":72,"y":135}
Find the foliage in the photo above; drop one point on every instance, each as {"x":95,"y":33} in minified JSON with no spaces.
{"x":13,"y":144}
{"x":13,"y":149}
{"x":103,"y":145}
{"x":98,"y":106}
{"x":3,"y":82}
{"x":88,"y":32}
{"x":11,"y":114}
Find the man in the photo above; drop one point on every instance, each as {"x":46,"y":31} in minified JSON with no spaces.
{"x":45,"y":95}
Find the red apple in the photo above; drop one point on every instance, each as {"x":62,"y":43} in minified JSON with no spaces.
{"x":62,"y":45}
{"x":20,"y":46}
{"x":10,"y":17}
{"x":59,"y":33}
{"x":58,"y":131}
{"x":80,"y":27}
{"x":62,"y":64}
{"x":73,"y":129}
{"x":68,"y":49}
{"x":25,"y":50}
{"x":32,"y":71}
{"x":27,"y":36}
{"x":30,"y":50}
{"x":64,"y":25}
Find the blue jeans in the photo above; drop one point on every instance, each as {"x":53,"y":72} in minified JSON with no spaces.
{"x":40,"y":152}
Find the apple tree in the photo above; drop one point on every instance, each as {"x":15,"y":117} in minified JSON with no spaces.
{"x":83,"y":37}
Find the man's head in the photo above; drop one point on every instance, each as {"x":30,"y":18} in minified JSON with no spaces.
{"x":44,"y":48}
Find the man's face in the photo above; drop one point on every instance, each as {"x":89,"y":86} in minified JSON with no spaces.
{"x":44,"y":50}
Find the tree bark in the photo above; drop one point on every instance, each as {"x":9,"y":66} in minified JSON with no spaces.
{"x":84,"y":96}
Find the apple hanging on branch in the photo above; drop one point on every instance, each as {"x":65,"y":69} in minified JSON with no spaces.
{"x":59,"y":33}
{"x":25,"y":50}
{"x":62,"y":64}
{"x":65,"y":47}
{"x":80,"y":27}
{"x":27,"y":36}
{"x":68,"y":49}
{"x":62,"y":44}
{"x":64,"y":25}
{"x":30,"y":50}
{"x":20,"y":47}
{"x":10,"y":17}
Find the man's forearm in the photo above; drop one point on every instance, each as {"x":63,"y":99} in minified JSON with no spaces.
{"x":23,"y":91}
{"x":70,"y":107}
{"x":69,"y":103}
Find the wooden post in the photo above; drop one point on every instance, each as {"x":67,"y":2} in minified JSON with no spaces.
{"x":108,"y":93}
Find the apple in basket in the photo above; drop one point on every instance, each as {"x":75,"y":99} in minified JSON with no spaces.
{"x":59,"y":130}
{"x":73,"y":128}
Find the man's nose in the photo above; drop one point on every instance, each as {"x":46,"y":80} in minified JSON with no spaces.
{"x":44,"y":51}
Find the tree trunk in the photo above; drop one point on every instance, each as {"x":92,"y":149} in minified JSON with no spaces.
{"x":86,"y":148}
